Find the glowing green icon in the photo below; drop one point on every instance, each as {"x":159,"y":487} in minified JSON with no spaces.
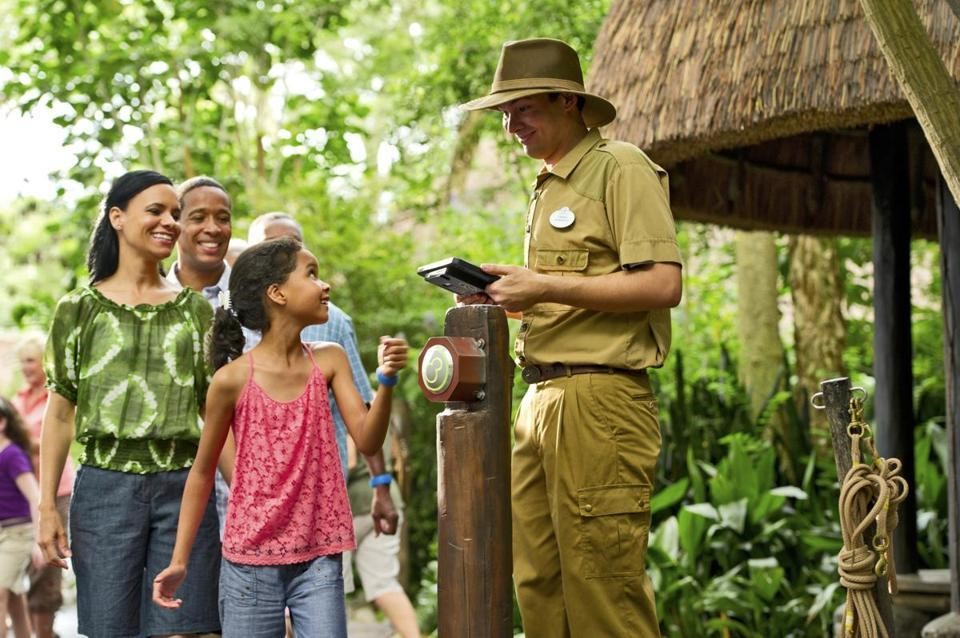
{"x":437,"y":369}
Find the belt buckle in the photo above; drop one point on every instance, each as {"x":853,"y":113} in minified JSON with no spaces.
{"x":531,"y":374}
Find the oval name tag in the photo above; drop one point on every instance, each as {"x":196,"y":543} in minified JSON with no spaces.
{"x":562,"y":218}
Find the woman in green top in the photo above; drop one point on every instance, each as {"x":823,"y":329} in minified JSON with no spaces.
{"x":126,"y":372}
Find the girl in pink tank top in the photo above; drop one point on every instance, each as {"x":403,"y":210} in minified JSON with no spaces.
{"x":288,"y":517}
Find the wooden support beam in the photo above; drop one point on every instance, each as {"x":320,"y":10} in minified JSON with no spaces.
{"x":923,"y":77}
{"x":948,"y":221}
{"x":475,"y":565}
{"x":893,"y":342}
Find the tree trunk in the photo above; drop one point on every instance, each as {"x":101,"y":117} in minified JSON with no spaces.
{"x":816,"y":286}
{"x":923,"y":78}
{"x":761,"y":368}
{"x":758,"y":317}
{"x":468,"y":136}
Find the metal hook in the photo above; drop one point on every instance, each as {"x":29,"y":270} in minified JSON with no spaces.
{"x":881,"y":568}
{"x":818,"y":401}
{"x":881,"y":543}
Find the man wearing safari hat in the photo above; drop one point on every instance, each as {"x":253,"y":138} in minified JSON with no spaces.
{"x":601,"y":271}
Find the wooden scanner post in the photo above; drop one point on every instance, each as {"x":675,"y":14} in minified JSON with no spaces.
{"x":469,"y":369}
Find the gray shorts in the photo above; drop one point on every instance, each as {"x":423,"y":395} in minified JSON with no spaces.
{"x":122,"y":529}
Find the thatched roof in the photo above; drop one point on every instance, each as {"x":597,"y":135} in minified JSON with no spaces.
{"x":694,"y":79}
{"x":691,"y":76}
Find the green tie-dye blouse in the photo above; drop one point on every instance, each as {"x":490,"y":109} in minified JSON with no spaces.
{"x":136,"y":374}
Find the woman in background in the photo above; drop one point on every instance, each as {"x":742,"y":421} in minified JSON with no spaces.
{"x":18,"y":515}
{"x":45,"y":596}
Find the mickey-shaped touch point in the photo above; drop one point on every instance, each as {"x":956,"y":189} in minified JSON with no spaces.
{"x":452,"y":369}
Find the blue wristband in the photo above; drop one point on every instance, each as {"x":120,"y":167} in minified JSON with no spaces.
{"x":381,"y":479}
{"x":385,"y":380}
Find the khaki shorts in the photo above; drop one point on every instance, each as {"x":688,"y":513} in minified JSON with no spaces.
{"x":378,"y":563}
{"x":16,"y":547}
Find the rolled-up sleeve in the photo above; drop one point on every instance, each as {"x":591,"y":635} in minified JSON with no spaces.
{"x":61,"y":358}
{"x":638,"y":208}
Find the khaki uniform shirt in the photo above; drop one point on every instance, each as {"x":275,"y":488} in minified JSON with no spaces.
{"x":620,"y":207}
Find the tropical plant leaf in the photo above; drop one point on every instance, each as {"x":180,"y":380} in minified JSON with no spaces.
{"x":790,"y":492}
{"x":669,"y":496}
{"x":692,"y":528}
{"x":666,"y":538}
{"x":824,"y":597}
{"x":766,"y":577}
{"x":734,"y":515}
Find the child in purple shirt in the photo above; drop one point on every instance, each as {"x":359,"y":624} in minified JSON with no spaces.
{"x":18,"y":512}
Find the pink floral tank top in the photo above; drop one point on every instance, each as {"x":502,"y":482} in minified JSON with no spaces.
{"x":288,"y":500}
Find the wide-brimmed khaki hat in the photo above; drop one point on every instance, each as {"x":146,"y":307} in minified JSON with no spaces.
{"x":542,"y":65}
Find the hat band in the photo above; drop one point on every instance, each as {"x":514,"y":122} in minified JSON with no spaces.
{"x":537,"y":83}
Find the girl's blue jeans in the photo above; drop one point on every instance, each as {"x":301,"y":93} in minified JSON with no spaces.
{"x":253,"y":599}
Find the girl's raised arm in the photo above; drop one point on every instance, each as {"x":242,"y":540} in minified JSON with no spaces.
{"x":221,"y":398}
{"x":55,"y":438}
{"x":368,"y":428}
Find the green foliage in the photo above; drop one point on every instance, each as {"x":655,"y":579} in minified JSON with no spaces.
{"x":733,"y":548}
{"x":165,"y":69}
{"x":734,"y":554}
{"x":931,"y":490}
{"x":44,"y":252}
{"x":426,"y":601}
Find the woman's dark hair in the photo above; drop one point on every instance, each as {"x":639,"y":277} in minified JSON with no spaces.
{"x":199,"y":181}
{"x":256,"y":269}
{"x":104,"y":253}
{"x":15,"y":430}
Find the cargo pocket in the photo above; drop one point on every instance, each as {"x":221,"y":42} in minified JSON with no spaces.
{"x":647,"y":401}
{"x":614,"y":527}
{"x":571,"y":261}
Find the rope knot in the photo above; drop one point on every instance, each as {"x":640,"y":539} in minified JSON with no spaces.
{"x":856,"y":567}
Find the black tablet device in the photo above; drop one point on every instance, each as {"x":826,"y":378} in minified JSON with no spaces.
{"x":457,"y":275}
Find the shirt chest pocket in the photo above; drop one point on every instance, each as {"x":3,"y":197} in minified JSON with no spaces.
{"x":572,"y":261}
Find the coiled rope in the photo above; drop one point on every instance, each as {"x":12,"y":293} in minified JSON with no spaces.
{"x":869,"y":494}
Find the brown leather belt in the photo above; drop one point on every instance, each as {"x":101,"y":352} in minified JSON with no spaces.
{"x":17,"y":520}
{"x":535,"y":374}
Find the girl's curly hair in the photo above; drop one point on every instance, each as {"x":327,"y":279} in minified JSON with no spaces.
{"x":15,"y":430}
{"x":256,"y":269}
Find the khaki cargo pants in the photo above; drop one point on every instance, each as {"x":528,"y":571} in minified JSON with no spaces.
{"x":583,"y":468}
